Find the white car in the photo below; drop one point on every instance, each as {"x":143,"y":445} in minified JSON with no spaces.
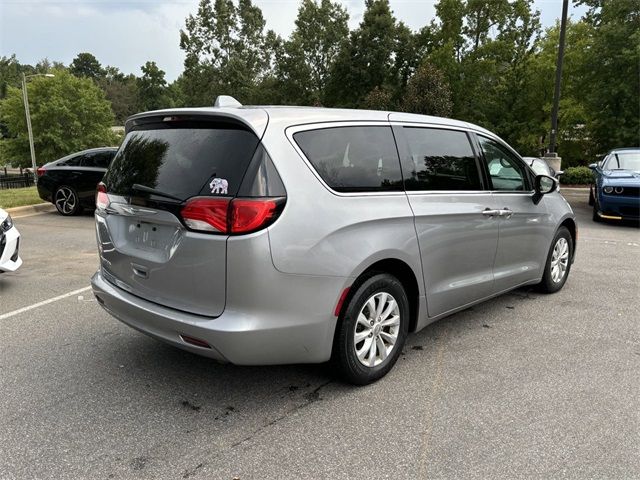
{"x":10,"y":259}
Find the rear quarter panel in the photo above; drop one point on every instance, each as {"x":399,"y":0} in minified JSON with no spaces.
{"x":321,"y":232}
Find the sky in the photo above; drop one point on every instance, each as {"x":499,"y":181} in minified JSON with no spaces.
{"x":126,"y":34}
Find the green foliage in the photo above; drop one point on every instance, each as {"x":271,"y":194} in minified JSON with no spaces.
{"x":67,"y":114}
{"x":366,"y":61}
{"x":227,"y":51}
{"x":305,"y":60}
{"x":611,"y":73}
{"x":19,"y":197}
{"x":577,"y":176}
{"x":428,"y":93}
{"x":484,"y":62}
{"x":152,"y":88}
{"x":122,"y":91}
{"x":86,"y":65}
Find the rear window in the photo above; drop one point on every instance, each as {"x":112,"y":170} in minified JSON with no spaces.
{"x":353,"y":159}
{"x":440,"y":160}
{"x":184,"y":159}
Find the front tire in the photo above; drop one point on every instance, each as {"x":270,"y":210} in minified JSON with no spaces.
{"x":372,"y":330}
{"x":592,"y":199}
{"x":594,"y":216}
{"x":66,"y":201}
{"x":556,"y":270}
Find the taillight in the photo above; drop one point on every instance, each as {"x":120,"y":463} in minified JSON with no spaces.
{"x":41,"y":171}
{"x":207,"y":214}
{"x":250,"y":215}
{"x":102,"y":199}
{"x":237,"y":216}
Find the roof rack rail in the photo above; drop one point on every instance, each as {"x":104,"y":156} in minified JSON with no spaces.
{"x":226,"y":101}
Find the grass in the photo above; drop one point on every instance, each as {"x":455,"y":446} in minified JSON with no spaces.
{"x":17,"y":197}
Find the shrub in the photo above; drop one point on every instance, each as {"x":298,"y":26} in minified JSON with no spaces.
{"x":577,"y":176}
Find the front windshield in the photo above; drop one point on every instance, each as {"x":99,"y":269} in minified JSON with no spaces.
{"x":623,"y":161}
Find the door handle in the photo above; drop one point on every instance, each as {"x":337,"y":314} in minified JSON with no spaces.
{"x":506,"y":212}
{"x":490,"y":213}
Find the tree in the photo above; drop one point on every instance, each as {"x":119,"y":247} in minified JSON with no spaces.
{"x":86,"y":65}
{"x":121,"y":91}
{"x":67,"y":114}
{"x":227,"y":51}
{"x":428,"y":93}
{"x":366,"y":61}
{"x":611,"y":73}
{"x":307,"y":57}
{"x":152,"y":88}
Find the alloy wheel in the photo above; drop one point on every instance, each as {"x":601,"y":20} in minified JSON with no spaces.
{"x":66,"y":200}
{"x":559,"y":260}
{"x":376,"y":330}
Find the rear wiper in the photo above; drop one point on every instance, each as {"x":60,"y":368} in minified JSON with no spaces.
{"x":153,"y":191}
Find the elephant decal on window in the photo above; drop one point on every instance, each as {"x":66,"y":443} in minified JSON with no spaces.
{"x":219,"y":185}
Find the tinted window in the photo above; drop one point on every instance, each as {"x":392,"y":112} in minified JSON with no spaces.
{"x":506,"y":172}
{"x":353,"y":159}
{"x":98,"y":159}
{"x":70,"y":162}
{"x":440,"y":160}
{"x":183,"y":160}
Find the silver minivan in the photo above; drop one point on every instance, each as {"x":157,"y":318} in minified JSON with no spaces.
{"x":271,"y":235}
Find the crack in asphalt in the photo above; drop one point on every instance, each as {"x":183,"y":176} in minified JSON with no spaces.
{"x":311,"y":397}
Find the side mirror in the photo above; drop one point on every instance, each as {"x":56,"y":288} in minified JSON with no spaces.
{"x":593,"y":166}
{"x":559,"y":172}
{"x":544,"y":184}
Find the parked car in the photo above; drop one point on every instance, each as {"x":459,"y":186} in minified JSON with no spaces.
{"x":541,"y":167}
{"x":289,"y":235}
{"x":10,"y":259}
{"x":70,"y":182}
{"x":615,"y":192}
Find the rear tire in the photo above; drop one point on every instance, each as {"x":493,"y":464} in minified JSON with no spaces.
{"x":372,"y":330}
{"x":66,"y":201}
{"x":558,"y":266}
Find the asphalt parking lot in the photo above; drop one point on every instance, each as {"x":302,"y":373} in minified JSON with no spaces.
{"x":523,"y":386}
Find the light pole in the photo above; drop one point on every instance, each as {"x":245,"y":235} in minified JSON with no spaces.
{"x":25,"y":98}
{"x":556,"y":93}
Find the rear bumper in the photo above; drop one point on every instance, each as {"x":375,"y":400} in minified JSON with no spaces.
{"x":238,"y":337}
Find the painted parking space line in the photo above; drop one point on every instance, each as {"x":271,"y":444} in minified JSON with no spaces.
{"x":4,"y":316}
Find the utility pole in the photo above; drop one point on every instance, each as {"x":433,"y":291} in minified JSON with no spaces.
{"x":556,"y":95}
{"x":25,"y":98}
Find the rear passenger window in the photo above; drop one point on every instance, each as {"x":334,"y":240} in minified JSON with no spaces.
{"x":98,"y":160}
{"x":353,"y":159}
{"x":440,"y":160}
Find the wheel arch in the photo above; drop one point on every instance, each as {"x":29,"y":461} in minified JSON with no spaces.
{"x":403,"y":272}
{"x":572,"y":226}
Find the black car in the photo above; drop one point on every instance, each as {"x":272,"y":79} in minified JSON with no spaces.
{"x":70,"y":183}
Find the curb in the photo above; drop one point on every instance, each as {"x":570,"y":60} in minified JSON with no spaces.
{"x":31,"y":209}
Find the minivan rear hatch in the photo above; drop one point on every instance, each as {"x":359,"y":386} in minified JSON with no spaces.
{"x":145,"y":247}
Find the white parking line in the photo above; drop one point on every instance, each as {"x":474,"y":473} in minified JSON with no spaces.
{"x":44,"y":302}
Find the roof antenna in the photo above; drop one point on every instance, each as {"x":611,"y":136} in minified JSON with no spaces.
{"x":226,"y":101}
